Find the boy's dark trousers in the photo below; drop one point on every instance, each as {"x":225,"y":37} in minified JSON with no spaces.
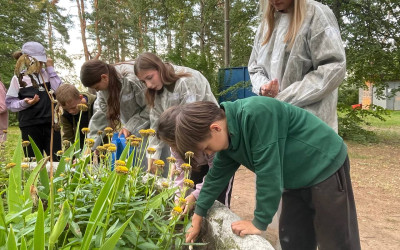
{"x":323,"y":215}
{"x":197,"y":177}
{"x":41,"y":135}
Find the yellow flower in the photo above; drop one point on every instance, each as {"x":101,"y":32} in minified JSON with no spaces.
{"x":60,"y":189}
{"x":188,"y":183}
{"x":99,"y":132}
{"x":159,"y":163}
{"x":24,"y":166}
{"x":143,"y":132}
{"x":134,"y":143}
{"x":60,"y":153}
{"x":85,"y":130}
{"x":151,"y":150}
{"x":120,"y":163}
{"x":108,"y":130}
{"x":186,"y":167}
{"x":121,"y":169}
{"x":139,"y":140}
{"x":67,"y":159}
{"x":82,"y":107}
{"x":65,"y":143}
{"x":182,"y":201}
{"x":89,"y":142}
{"x":130,"y":138}
{"x":171,"y":159}
{"x":112,"y":149}
{"x":25,"y":143}
{"x":165,"y":185}
{"x":177,"y":172}
{"x":189,"y":154}
{"x":151,"y":132}
{"x":101,"y":148}
{"x":177,"y":211}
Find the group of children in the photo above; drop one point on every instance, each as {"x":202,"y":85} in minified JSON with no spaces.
{"x":298,"y":158}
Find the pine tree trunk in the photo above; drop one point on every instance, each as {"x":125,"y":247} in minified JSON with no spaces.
{"x":82,"y":19}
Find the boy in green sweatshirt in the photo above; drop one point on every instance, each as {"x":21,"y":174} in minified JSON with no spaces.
{"x":294,"y":155}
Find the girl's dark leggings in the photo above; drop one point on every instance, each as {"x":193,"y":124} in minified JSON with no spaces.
{"x":323,"y":215}
{"x":41,"y":136}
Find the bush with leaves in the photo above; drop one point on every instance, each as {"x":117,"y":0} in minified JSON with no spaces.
{"x":352,"y":121}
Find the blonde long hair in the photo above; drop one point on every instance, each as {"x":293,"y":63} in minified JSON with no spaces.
{"x":297,"y":14}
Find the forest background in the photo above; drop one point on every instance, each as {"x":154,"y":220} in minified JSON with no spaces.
{"x":191,"y":33}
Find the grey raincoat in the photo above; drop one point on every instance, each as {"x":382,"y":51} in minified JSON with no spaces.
{"x":134,"y":113}
{"x":185,"y":90}
{"x":311,"y":71}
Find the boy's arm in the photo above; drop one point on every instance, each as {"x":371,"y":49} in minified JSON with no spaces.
{"x":216,"y":180}
{"x":269,"y":185}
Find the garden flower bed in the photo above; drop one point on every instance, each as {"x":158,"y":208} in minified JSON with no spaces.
{"x":84,"y":204}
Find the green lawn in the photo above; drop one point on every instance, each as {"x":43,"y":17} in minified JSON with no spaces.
{"x":10,"y":145}
{"x":391,"y":121}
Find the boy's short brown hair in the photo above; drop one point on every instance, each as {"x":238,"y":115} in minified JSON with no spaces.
{"x":66,"y":93}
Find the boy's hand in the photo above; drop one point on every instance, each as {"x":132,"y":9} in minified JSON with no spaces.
{"x":194,"y":231}
{"x":190,"y":202}
{"x":244,"y":227}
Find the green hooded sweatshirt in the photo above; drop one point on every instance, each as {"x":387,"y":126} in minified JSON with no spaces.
{"x":285,"y":146}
